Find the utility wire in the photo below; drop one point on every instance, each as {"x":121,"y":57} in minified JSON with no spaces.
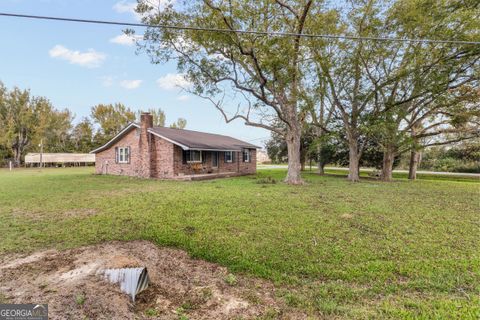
{"x":262,"y":138}
{"x":265,"y":33}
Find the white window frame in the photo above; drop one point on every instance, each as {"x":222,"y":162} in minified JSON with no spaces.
{"x":231,"y":156}
{"x":247,"y":153}
{"x":189,"y":155}
{"x":123,"y":155}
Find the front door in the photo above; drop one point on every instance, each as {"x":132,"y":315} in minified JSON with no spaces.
{"x":215,"y":159}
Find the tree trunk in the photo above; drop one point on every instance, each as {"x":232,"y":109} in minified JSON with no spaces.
{"x":17,"y":156}
{"x":387,"y":166}
{"x":303,"y":157}
{"x":353,"y":161}
{"x":321,"y":168}
{"x":320,"y":161}
{"x":414,"y":161}
{"x":294,"y":163}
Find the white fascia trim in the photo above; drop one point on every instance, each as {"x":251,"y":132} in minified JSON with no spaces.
{"x":220,"y":150}
{"x":114,"y":138}
{"x":169,"y":140}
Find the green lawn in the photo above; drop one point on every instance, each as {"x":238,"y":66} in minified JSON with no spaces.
{"x":355,"y":251}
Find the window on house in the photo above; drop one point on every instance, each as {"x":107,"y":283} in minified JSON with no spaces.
{"x":228,"y":156}
{"x":193,"y":156}
{"x":246,"y":155}
{"x":123,"y":155}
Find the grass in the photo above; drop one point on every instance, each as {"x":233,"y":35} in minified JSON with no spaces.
{"x":420,"y":176}
{"x":401,"y":250}
{"x":451,"y":176}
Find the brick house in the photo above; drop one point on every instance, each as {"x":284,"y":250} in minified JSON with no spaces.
{"x":142,"y":150}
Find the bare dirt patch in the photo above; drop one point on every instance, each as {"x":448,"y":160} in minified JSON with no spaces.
{"x":181,"y":287}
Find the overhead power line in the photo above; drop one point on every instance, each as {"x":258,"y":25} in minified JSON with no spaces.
{"x":254,"y":32}
{"x":261,"y":138}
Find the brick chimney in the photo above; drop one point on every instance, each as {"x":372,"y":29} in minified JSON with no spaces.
{"x":146,"y":121}
{"x":145,"y":146}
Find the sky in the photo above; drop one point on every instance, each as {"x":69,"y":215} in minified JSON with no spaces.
{"x":77,"y":66}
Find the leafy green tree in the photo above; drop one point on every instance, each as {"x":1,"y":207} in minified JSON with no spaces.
{"x":263,"y":75}
{"x":158,"y":116}
{"x":52,"y":128}
{"x":463,"y":156}
{"x":26,"y":122}
{"x":180,"y":124}
{"x":82,"y":136}
{"x":276,"y":148}
{"x":323,"y":150}
{"x":397,"y":92}
{"x":341,"y":75}
{"x":17,"y":121}
{"x":427,"y":95}
{"x":159,"y":119}
{"x":111,"y":118}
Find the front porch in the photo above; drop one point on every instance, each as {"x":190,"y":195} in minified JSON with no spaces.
{"x":208,"y":164}
{"x":207,"y":176}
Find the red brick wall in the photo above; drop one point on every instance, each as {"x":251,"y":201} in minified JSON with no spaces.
{"x":248,"y":167}
{"x":162,"y":158}
{"x":105,"y":160}
{"x":237,"y":166}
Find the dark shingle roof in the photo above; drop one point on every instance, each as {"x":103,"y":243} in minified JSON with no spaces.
{"x":201,"y":140}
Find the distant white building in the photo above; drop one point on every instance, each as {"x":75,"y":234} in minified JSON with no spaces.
{"x":59,"y":158}
{"x":262,"y":156}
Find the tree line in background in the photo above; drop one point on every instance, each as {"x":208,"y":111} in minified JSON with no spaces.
{"x":462,"y":156}
{"x":361,"y":101}
{"x":27,"y":121}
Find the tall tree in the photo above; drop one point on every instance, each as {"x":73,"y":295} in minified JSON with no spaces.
{"x":52,"y":127}
{"x":159,"y":119}
{"x":427,"y":90}
{"x":264,"y":75}
{"x":111,"y":118}
{"x":321,"y":122}
{"x":16,"y":122}
{"x":27,"y":121}
{"x":340,"y":65}
{"x":82,"y":136}
{"x":158,"y":116}
{"x":386,"y":90}
{"x":180,"y":124}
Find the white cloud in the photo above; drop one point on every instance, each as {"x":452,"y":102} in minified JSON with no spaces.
{"x":130,"y":84}
{"x":89,"y":58}
{"x":125,"y":6}
{"x":173,"y":81}
{"x":107,"y":81}
{"x":183,"y":97}
{"x":126,"y":40}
